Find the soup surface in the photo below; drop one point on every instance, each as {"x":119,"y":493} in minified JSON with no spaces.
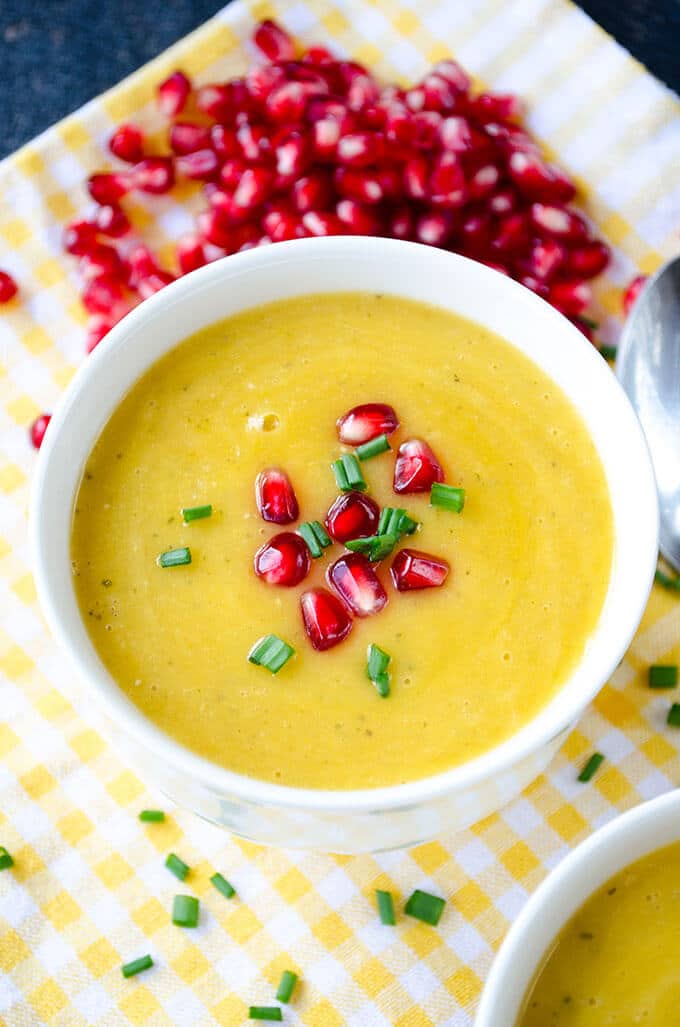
{"x":616,"y":961}
{"x":472,"y":661}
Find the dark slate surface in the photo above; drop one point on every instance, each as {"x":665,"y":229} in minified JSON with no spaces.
{"x":56,"y":54}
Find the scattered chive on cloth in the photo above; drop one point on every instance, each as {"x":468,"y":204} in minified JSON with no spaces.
{"x":88,"y":891}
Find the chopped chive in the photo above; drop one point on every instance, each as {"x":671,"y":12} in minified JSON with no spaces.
{"x":385,"y":907}
{"x":271,"y":652}
{"x":136,"y":966}
{"x":341,"y":479}
{"x":196,"y":513}
{"x":223,"y":886}
{"x":316,"y":537}
{"x":152,"y":816}
{"x":666,"y":581}
{"x":353,"y":472}
{"x":382,"y":684}
{"x":406,"y":524}
{"x":447,"y":497}
{"x":185,"y":911}
{"x":588,"y":322}
{"x":177,"y":866}
{"x":591,"y":767}
{"x":378,"y":662}
{"x":425,"y":907}
{"x":663,"y":676}
{"x":175,"y":557}
{"x":6,"y":860}
{"x":265,"y":1013}
{"x":380,"y":444}
{"x":375,"y":547}
{"x":395,"y":522}
{"x":286,"y":986}
{"x":608,"y":352}
{"x":673,"y":717}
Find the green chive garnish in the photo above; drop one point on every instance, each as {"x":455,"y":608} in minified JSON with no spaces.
{"x":175,"y":557}
{"x":385,"y":907}
{"x":353,"y":472}
{"x":609,"y":352}
{"x":673,"y":717}
{"x":177,"y":866}
{"x":425,"y":907}
{"x":316,"y":537}
{"x":447,"y":497}
{"x":588,"y":322}
{"x":6,"y":860}
{"x":378,"y":445}
{"x":666,"y":581}
{"x":271,"y":652}
{"x":377,"y":663}
{"x":223,"y":886}
{"x":663,"y":676}
{"x":286,"y":986}
{"x":265,"y":1013}
{"x":395,"y":522}
{"x":591,"y":767}
{"x":341,"y":479}
{"x":185,"y":911}
{"x":375,"y":547}
{"x":152,"y":816}
{"x":196,"y":513}
{"x":136,"y":966}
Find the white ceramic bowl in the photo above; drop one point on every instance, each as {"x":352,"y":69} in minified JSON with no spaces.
{"x":380,"y":818}
{"x":638,"y":832}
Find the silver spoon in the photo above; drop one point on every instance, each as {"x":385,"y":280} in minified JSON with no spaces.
{"x":648,"y":367}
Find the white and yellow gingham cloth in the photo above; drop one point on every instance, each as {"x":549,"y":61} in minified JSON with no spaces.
{"x":89,"y":890}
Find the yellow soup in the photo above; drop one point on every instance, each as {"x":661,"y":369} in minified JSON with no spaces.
{"x":616,"y":961}
{"x":472,"y":661}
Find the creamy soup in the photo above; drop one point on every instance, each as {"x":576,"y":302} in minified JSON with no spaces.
{"x":472,"y":661}
{"x":616,"y":961}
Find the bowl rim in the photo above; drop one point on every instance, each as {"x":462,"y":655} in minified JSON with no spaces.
{"x":612,"y":838}
{"x":220,"y":779}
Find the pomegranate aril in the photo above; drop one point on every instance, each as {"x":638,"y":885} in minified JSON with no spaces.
{"x":538,"y":180}
{"x":545,"y":259}
{"x":452,"y":73}
{"x":352,"y":515}
{"x":438,"y":93}
{"x":173,"y":94}
{"x":154,"y":283}
{"x":571,"y":297}
{"x":562,"y":224}
{"x":402,"y":223}
{"x":357,"y":584}
{"x":536,"y":285}
{"x":475,"y":234}
{"x":503,"y":201}
{"x":190,"y":254}
{"x":281,"y":223}
{"x":104,"y":295}
{"x":101,"y":259}
{"x":255,"y":186}
{"x":412,"y":569}
{"x":108,"y":187}
{"x":199,"y":164}
{"x":141,"y":264}
{"x":416,"y":178}
{"x":359,"y":219}
{"x":216,"y":228}
{"x":224,"y":142}
{"x":318,"y":223}
{"x":186,"y":137}
{"x":216,"y":101}
{"x":416,"y":468}
{"x":127,"y":143}
{"x":154,"y":175}
{"x":79,"y":237}
{"x":274,"y":41}
{"x":317,"y":55}
{"x":483,"y":181}
{"x":283,"y":560}
{"x":232,"y":172}
{"x":287,"y":103}
{"x":97,"y":327}
{"x":312,"y":192}
{"x":253,"y":140}
{"x":433,"y":228}
{"x":275,"y":497}
{"x":8,"y":287}
{"x":633,"y":290}
{"x":325,"y":137}
{"x":325,"y":618}
{"x":292,"y":157}
{"x":512,"y":235}
{"x":359,"y":149}
{"x":447,"y":182}
{"x":365,"y":422}
{"x":38,"y":429}
{"x":111,"y":221}
{"x":495,"y":107}
{"x":588,"y":260}
{"x":455,"y":134}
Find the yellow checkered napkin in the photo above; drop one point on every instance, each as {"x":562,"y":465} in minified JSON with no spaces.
{"x":89,"y":890}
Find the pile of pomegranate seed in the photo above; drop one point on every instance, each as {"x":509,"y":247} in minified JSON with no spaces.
{"x":286,"y":559}
{"x":305,"y":144}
